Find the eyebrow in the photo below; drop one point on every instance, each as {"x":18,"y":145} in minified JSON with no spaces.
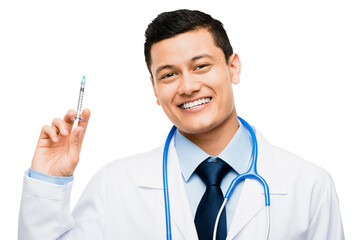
{"x":201,"y":56}
{"x":168,"y":66}
{"x":162,"y":68}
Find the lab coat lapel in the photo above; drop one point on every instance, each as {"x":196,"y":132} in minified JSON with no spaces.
{"x":182,"y":222}
{"x":251,"y":200}
{"x":250,"y":203}
{"x":180,"y":209}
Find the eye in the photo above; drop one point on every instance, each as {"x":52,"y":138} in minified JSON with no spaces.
{"x":201,"y":66}
{"x":168,"y":75}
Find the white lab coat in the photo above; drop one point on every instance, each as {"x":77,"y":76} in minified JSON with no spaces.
{"x":124,"y":200}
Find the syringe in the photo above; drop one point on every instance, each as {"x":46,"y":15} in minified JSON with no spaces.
{"x":79,"y":106}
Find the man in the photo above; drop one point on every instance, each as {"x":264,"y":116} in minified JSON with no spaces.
{"x":192,"y":68}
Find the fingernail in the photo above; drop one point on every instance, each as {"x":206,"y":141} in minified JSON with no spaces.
{"x":55,"y":139}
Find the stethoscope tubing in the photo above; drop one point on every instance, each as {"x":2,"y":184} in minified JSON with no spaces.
{"x":165,"y":183}
{"x":251,"y":173}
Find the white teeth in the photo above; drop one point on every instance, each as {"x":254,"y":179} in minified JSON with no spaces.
{"x":195,"y":103}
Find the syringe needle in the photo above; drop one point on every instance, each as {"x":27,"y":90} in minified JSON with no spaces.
{"x":79,"y":106}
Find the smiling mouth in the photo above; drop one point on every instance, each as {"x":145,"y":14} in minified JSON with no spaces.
{"x":195,"y":103}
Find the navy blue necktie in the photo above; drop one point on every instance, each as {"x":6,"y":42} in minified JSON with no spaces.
{"x":211,"y":173}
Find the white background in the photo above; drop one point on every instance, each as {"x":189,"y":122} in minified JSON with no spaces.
{"x":299,"y":83}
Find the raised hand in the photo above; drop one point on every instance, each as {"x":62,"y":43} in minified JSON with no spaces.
{"x":58,"y":149}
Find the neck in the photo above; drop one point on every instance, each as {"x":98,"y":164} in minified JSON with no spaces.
{"x":214,"y":141}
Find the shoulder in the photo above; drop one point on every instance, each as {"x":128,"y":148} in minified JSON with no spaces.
{"x":133,"y":166}
{"x":145,"y":159}
{"x":298,"y":164}
{"x":137,"y":159}
{"x":301,"y":168}
{"x":296,"y":172}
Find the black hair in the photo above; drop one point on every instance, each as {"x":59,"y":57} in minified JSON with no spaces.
{"x":170,"y":24}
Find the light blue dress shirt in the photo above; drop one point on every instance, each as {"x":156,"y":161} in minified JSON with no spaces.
{"x":237,"y":154}
{"x":50,"y":179}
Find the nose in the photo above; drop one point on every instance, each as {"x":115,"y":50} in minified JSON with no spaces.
{"x":188,"y":85}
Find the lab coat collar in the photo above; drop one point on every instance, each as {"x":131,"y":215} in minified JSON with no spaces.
{"x":251,"y":200}
{"x":150,"y":170}
{"x":269,"y":166}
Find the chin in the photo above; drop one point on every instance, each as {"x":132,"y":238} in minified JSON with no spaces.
{"x":200,"y":127}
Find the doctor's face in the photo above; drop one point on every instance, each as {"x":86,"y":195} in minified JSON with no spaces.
{"x":192,"y":81}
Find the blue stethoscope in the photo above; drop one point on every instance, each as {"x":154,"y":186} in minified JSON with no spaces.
{"x":251,"y":173}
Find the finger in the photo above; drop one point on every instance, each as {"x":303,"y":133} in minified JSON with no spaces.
{"x":78,"y":133}
{"x":61,"y":126}
{"x":85,"y":116}
{"x":48,"y":132}
{"x":69,"y":119}
{"x":84,"y":122}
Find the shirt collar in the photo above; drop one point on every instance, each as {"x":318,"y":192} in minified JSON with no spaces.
{"x":237,"y":153}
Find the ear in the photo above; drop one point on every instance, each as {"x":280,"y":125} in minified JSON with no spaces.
{"x":154,"y":89}
{"x":234,"y":65}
